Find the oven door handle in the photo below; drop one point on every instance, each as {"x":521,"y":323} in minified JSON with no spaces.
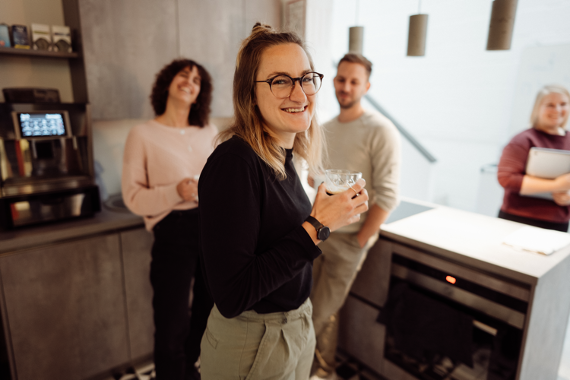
{"x":486,"y":328}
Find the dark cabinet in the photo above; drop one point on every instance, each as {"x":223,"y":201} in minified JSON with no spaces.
{"x":79,"y":309}
{"x":136,"y":245}
{"x":64,"y":309}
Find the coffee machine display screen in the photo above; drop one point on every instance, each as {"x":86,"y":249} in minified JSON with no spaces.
{"x":42,"y":124}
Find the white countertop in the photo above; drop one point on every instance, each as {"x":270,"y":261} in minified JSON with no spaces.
{"x":472,"y":239}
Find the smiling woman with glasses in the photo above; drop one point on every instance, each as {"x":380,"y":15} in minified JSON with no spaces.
{"x":259,"y":232}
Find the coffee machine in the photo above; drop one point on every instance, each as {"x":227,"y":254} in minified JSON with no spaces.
{"x":46,"y":163}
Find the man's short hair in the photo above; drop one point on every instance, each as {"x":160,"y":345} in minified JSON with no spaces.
{"x":357,"y":58}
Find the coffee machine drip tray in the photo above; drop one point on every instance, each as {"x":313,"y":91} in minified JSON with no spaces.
{"x":22,"y":186}
{"x":40,"y":208}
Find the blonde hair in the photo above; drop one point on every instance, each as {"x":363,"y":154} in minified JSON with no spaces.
{"x":544,"y":91}
{"x":248,"y":122}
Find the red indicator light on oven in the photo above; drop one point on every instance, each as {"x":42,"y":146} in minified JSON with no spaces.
{"x":450,"y":279}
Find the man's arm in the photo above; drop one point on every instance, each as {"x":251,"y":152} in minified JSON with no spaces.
{"x":385,"y":159}
{"x":376,"y":216}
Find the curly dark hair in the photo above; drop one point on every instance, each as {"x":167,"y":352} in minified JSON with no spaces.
{"x":200,"y":111}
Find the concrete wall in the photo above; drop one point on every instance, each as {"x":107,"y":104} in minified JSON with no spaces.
{"x":127,"y":42}
{"x":459,"y":100}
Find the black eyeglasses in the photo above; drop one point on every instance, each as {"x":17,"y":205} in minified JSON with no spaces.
{"x":282,"y":85}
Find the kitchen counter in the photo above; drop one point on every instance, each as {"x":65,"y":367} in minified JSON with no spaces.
{"x":103,"y":222}
{"x":429,"y":247}
{"x":472,"y":239}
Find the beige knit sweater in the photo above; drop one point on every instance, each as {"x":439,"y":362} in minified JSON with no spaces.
{"x":370,"y":145}
{"x":156,"y":158}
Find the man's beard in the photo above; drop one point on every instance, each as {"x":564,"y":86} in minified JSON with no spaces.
{"x":348,"y":105}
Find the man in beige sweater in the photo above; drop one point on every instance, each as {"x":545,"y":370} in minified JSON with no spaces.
{"x":364,"y":141}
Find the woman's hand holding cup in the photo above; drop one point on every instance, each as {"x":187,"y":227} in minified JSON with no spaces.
{"x":339,"y":210}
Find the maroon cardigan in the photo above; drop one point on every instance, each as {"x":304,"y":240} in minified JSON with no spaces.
{"x":512,"y":170}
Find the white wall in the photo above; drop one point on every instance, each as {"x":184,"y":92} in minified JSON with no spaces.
{"x":538,"y":65}
{"x":458,"y":99}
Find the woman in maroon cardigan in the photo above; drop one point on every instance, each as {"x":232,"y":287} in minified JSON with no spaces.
{"x":548,"y":121}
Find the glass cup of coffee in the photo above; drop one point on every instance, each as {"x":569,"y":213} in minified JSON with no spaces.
{"x":339,"y":180}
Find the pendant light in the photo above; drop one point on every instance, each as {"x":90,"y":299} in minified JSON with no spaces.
{"x":355,"y":39}
{"x":417,"y":34}
{"x":502,"y":24}
{"x":356,"y":36}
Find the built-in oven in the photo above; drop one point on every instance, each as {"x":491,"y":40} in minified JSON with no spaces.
{"x":446,"y":321}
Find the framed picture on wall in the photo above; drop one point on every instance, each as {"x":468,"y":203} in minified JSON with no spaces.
{"x":294,"y":16}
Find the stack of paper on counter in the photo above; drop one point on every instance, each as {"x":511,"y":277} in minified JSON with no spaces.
{"x":537,"y":240}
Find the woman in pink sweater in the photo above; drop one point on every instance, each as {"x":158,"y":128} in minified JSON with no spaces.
{"x":162,"y":162}
{"x":548,"y":123}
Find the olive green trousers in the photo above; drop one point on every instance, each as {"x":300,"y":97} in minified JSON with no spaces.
{"x":252,"y":346}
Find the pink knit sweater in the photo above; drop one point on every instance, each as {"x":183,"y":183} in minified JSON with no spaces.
{"x":157,"y":157}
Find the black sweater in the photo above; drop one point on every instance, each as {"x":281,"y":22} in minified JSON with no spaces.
{"x":256,"y":255}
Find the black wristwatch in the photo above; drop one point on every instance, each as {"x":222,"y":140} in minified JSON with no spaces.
{"x":323,"y":232}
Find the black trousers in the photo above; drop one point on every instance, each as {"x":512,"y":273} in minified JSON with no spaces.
{"x":175,"y":261}
{"x":534,"y":222}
